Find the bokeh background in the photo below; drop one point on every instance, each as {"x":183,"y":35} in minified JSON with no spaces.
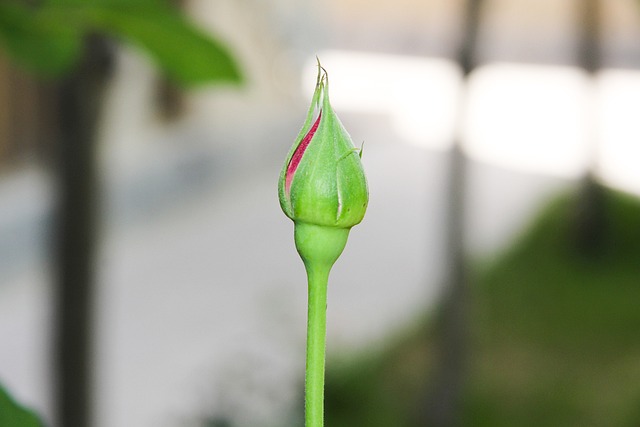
{"x":494,"y":281}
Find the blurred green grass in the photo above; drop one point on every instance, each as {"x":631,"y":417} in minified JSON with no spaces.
{"x":555,"y":337}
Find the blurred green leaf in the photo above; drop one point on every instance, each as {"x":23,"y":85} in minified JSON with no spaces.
{"x":39,"y":41}
{"x":48,"y":39}
{"x":14,"y":415}
{"x":184,"y":52}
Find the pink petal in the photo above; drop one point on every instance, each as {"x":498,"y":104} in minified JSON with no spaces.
{"x":297,"y":155}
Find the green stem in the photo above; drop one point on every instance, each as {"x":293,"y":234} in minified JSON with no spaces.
{"x":316,"y":343}
{"x":319,"y":247}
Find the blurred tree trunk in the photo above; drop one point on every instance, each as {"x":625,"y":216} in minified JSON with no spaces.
{"x":79,"y":100}
{"x":24,"y":130}
{"x":170,"y":100}
{"x":169,"y":97}
{"x":5,"y":108}
{"x":443,"y":398}
{"x":590,"y":212}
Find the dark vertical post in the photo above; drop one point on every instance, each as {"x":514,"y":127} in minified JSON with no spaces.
{"x":79,"y":100}
{"x":590,"y":220}
{"x":170,"y":98}
{"x":589,"y":55}
{"x":444,"y":407}
{"x":5,"y":108}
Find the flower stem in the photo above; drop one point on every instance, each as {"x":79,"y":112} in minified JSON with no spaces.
{"x":319,"y":247}
{"x":316,"y":339}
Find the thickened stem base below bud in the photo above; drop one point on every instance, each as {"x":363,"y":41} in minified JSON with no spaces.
{"x":319,"y":247}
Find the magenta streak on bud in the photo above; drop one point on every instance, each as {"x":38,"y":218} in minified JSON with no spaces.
{"x":297,"y":155}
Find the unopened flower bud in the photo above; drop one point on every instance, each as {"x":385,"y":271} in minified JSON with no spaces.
{"x":322,"y":181}
{"x":322,"y":186}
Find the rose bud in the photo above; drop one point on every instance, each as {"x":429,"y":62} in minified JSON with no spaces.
{"x":322,"y":184}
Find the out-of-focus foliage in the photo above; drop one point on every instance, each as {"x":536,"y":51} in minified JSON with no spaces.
{"x":14,"y":415}
{"x":38,"y":40}
{"x":47,"y":38}
{"x":556,"y":338}
{"x":379,"y":389}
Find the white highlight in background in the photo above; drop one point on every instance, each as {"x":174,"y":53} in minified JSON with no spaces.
{"x":528,"y":117}
{"x":619,"y":148}
{"x":535,"y":118}
{"x":420,"y":95}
